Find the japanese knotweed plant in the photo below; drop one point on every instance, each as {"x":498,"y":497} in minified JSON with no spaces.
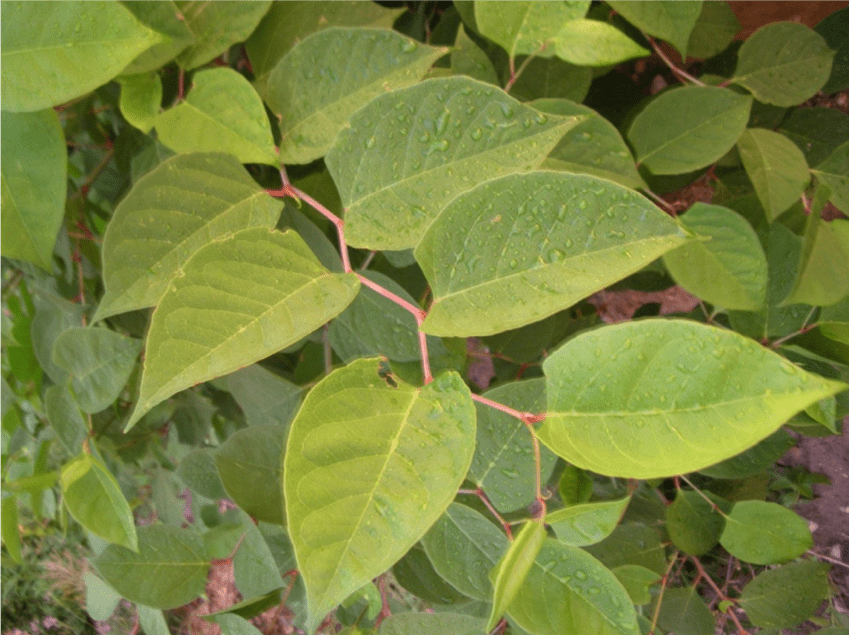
{"x":355,"y":261}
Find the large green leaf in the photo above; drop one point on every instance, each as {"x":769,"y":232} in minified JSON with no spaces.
{"x":174,"y":210}
{"x":526,"y":28}
{"x":99,"y":361}
{"x":463,"y":547}
{"x":216,"y":26}
{"x":93,"y":497}
{"x":165,"y":18}
{"x":265,"y":398}
{"x":503,"y":464}
{"x":649,"y":399}
{"x":288,"y":22}
{"x":715,"y":29}
{"x":222,"y":113}
{"x":593,"y":147}
{"x":55,"y":51}
{"x":409,"y":152}
{"x":357,"y":502}
{"x":249,"y":466}
{"x":727,"y":265}
{"x":587,"y":523}
{"x":786,"y":596}
{"x":834,"y":172}
{"x":765,"y":533}
{"x":670,"y":21}
{"x":688,"y":128}
{"x":783,"y":63}
{"x":239,"y":300}
{"x":171,"y":557}
{"x":776,"y":167}
{"x":34,"y":170}
{"x":517,"y":249}
{"x":568,"y":592}
{"x":314,"y":91}
{"x":431,"y":624}
{"x":594,"y":43}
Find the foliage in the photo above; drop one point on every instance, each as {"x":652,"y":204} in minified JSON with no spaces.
{"x":255,"y":250}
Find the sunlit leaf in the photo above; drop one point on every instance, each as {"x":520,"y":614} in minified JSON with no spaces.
{"x":587,"y":523}
{"x":594,"y":43}
{"x":765,"y":533}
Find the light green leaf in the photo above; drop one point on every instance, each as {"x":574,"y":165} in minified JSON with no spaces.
{"x":454,"y":132}
{"x":165,"y":18}
{"x":10,"y":532}
{"x":174,"y":210}
{"x":587,"y":524}
{"x":65,"y":418}
{"x":249,"y":466}
{"x":100,"y":362}
{"x":503,"y":464}
{"x":786,"y":596}
{"x":569,"y":591}
{"x":637,"y":580}
{"x":222,"y":113}
{"x":356,"y":503}
{"x":101,"y":599}
{"x":715,"y":29}
{"x":783,"y":63}
{"x":34,"y":170}
{"x":55,"y":51}
{"x":765,"y":533}
{"x":776,"y":167}
{"x":508,"y":577}
{"x":94,"y":499}
{"x":254,"y":569}
{"x":463,"y":547}
{"x":670,"y":21}
{"x":286,"y":23}
{"x":238,"y":301}
{"x":216,"y":26}
{"x":683,"y":612}
{"x":594,"y":43}
{"x":694,"y":525}
{"x":834,"y":172}
{"x":727,"y":265}
{"x":688,"y":128}
{"x":265,"y":398}
{"x":314,"y":91}
{"x":525,"y":28}
{"x":467,"y":58}
{"x":198,"y":471}
{"x":648,"y":399}
{"x":553,"y":78}
{"x":173,"y":557}
{"x":632,"y":544}
{"x":141,"y":97}
{"x":431,"y":624}
{"x":593,"y":147}
{"x":534,"y":244}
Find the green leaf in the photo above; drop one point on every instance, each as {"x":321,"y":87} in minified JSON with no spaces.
{"x":10,"y":532}
{"x":463,"y":547}
{"x":631,"y":544}
{"x":100,"y":362}
{"x":503,"y":464}
{"x":683,"y":612}
{"x":234,"y":625}
{"x":265,"y":398}
{"x":254,"y":569}
{"x":816,"y":131}
{"x":637,"y":580}
{"x":670,"y":21}
{"x":536,"y":243}
{"x":415,"y":573}
{"x":216,"y":26}
{"x":593,"y":147}
{"x":694,"y":525}
{"x":455,"y":132}
{"x":569,"y":591}
{"x":688,"y":128}
{"x":141,"y":98}
{"x":173,"y":557}
{"x":508,"y":577}
{"x":765,"y":533}
{"x":467,"y":58}
{"x":786,"y":596}
{"x":776,"y":167}
{"x":575,"y":485}
{"x":101,"y":599}
{"x":56,"y":51}
{"x":165,"y":18}
{"x":348,"y":530}
{"x":647,"y":399}
{"x":65,"y":418}
{"x":552,"y":77}
{"x":431,"y":624}
{"x":34,"y":170}
{"x":314,"y":92}
{"x":249,"y":466}
{"x":834,"y":172}
{"x":239,"y":300}
{"x":727,"y":265}
{"x":783,"y":63}
{"x":286,"y":23}
{"x":587,"y":524}
{"x":222,"y":113}
{"x":198,"y":471}
{"x":171,"y":212}
{"x":834,"y":29}
{"x":714,"y":30}
{"x":94,"y":499}
{"x":525,"y":28}
{"x":594,"y":43}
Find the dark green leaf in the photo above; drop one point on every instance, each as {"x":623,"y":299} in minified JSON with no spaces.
{"x":816,"y":131}
{"x":786,"y":596}
{"x":694,"y":524}
{"x":415,"y":573}
{"x":834,"y":172}
{"x":467,"y":58}
{"x":754,"y":460}
{"x":265,"y":398}
{"x":835,"y":30}
{"x":254,"y":569}
{"x":631,"y":544}
{"x":683,"y":612}
{"x":765,"y":533}
{"x":198,"y":471}
{"x":715,"y":28}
